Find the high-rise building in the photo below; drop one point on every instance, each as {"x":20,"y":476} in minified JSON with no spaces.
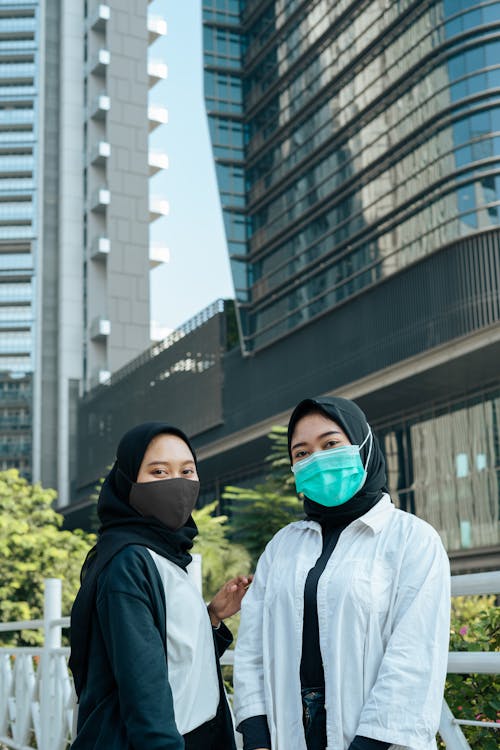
{"x":352,"y":139}
{"x":357,"y":150}
{"x":75,"y":211}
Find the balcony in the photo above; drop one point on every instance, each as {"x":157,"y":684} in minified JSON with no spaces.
{"x":100,"y":248}
{"x":158,"y":207}
{"x":100,"y":17}
{"x":158,"y":254}
{"x":101,"y":199}
{"x":100,"y":153}
{"x":100,"y":62}
{"x":157,"y":116}
{"x":103,"y":377}
{"x":157,"y":71}
{"x":100,"y":329}
{"x":157,"y":26}
{"x":100,"y":107}
{"x":157,"y":160}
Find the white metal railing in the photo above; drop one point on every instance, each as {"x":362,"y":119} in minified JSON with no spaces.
{"x":37,"y":698}
{"x":36,"y":690}
{"x":464,"y":662}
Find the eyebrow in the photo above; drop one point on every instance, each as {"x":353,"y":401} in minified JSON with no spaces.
{"x":320,"y":437}
{"x":166,"y":463}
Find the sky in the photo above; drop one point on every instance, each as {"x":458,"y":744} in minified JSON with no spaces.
{"x":198,"y":271}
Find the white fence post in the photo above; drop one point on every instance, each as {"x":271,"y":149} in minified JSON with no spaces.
{"x":450,"y":733}
{"x":52,"y":639}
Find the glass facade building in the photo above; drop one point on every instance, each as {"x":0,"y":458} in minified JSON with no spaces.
{"x":351,"y":139}
{"x":19,"y":153}
{"x":357,"y":151}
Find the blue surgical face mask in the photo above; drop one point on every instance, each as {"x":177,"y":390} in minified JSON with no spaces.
{"x":334,"y":476}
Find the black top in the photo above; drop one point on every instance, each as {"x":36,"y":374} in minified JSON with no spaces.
{"x":311,"y":665}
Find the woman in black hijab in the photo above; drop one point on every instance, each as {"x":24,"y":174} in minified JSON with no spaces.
{"x":344,"y":632}
{"x":144,"y":647}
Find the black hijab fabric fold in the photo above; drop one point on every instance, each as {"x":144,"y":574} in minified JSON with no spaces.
{"x":121,"y":526}
{"x":349,"y":416}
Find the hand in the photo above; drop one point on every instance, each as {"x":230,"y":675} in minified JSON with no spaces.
{"x":227,"y":600}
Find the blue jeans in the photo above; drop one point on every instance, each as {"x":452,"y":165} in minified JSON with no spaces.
{"x":314,"y":718}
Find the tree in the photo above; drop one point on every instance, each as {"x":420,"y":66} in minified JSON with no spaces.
{"x":221,"y":559}
{"x":33,"y":547}
{"x":257,"y":514}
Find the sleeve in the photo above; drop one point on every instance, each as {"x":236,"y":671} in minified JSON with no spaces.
{"x":249,"y":696}
{"x":135,"y":647}
{"x":404,"y":705}
{"x":222,"y":638}
{"x":255,"y":733}
{"x":365,"y":743}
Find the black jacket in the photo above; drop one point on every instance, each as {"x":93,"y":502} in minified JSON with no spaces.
{"x":127,"y":703}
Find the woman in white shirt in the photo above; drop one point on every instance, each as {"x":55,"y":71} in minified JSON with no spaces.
{"x":344,"y":632}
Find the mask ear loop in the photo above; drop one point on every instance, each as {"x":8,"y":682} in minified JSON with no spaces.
{"x":370,"y":435}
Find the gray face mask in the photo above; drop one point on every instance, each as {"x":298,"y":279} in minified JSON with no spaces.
{"x":170,"y":501}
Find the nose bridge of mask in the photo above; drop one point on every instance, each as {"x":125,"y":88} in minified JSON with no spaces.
{"x":340,"y":457}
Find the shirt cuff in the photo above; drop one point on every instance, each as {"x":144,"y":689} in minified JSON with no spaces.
{"x":366,"y":743}
{"x":255,"y":733}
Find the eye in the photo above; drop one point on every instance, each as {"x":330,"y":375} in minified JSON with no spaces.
{"x":188,"y":471}
{"x":158,"y":472}
{"x":331,"y":444}
{"x":300,"y":454}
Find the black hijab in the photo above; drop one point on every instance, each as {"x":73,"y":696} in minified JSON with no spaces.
{"x":353,"y":421}
{"x":121,"y":525}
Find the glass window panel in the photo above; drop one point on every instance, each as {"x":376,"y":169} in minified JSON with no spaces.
{"x":453,"y":27}
{"x":479,"y":123}
{"x":470,"y":219}
{"x":463,"y":156}
{"x":15,"y":261}
{"x":491,"y":14}
{"x":462,"y":465}
{"x":481,"y":461}
{"x":475,"y":58}
{"x":493,"y":78}
{"x":472,"y":19}
{"x":483,"y":149}
{"x":456,"y":66}
{"x":477,"y":83}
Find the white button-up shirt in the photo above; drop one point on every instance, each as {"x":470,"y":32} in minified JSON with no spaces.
{"x":384,"y":615}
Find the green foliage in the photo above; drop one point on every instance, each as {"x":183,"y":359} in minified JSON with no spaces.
{"x":222,"y":559}
{"x":279,"y":460}
{"x":475,"y":626}
{"x":33,"y":547}
{"x":257,"y":514}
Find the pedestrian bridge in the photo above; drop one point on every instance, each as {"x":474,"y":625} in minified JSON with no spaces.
{"x":37,"y":700}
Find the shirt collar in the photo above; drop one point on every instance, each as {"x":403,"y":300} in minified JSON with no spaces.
{"x":377,"y":517}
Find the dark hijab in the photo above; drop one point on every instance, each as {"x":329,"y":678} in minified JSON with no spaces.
{"x":121,"y":526}
{"x":353,"y":421}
